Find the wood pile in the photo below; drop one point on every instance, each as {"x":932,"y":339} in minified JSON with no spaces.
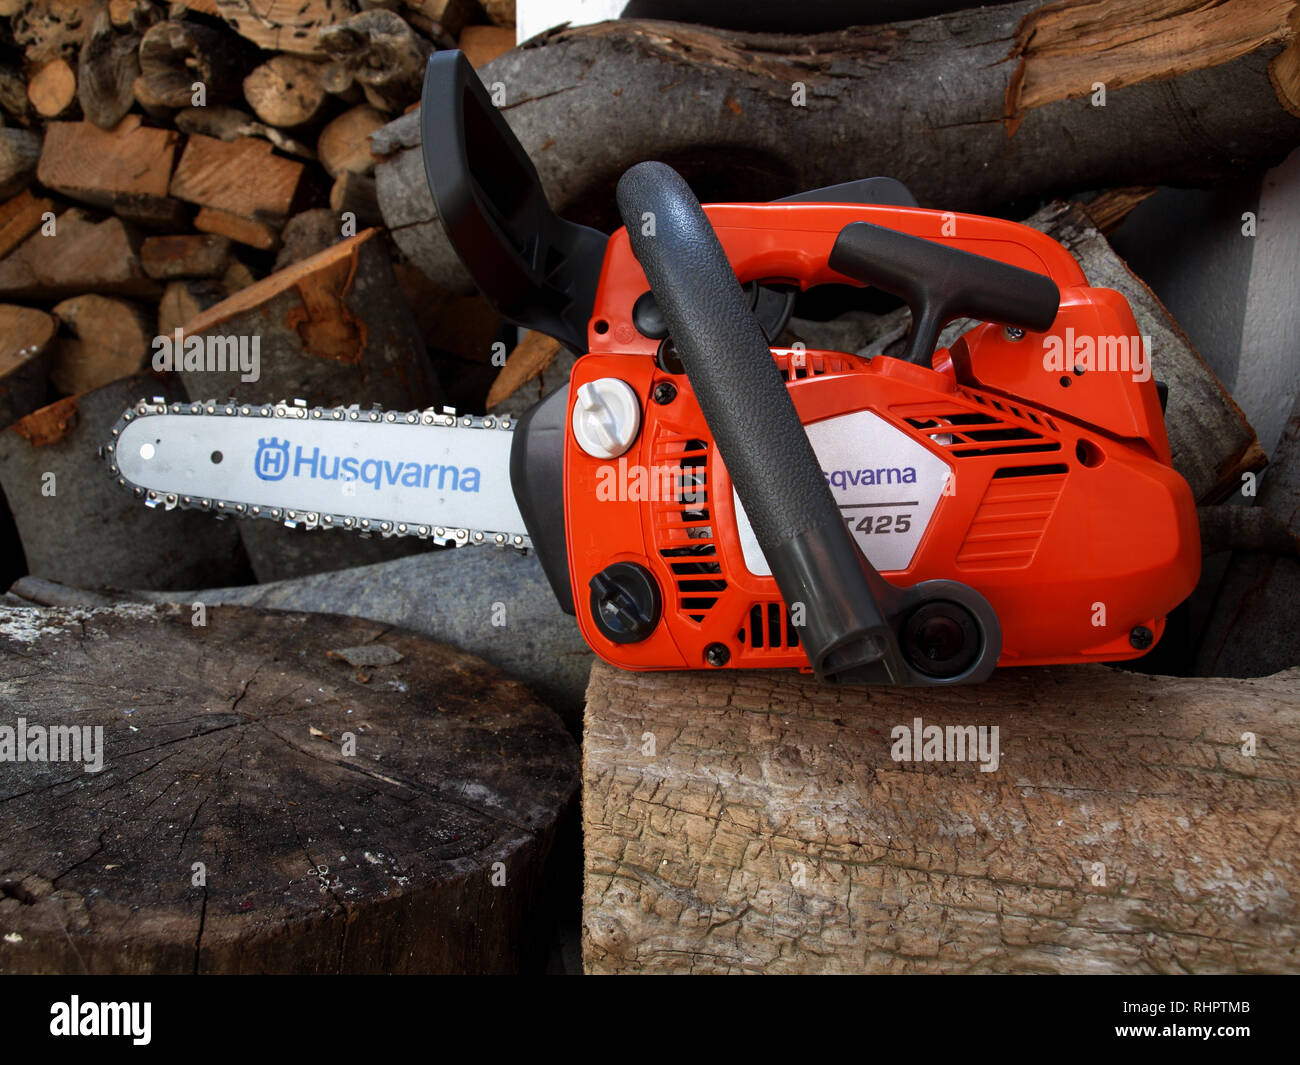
{"x":209,"y":165}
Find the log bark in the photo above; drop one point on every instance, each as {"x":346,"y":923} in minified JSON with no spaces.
{"x":81,"y":256}
{"x":332,"y":329}
{"x":283,"y":25}
{"x":176,"y":55}
{"x":588,"y":102}
{"x":104,"y":340}
{"x":285,"y":91}
{"x":770,"y":829}
{"x":378,"y":51}
{"x":63,"y":501}
{"x":107,"y":67}
{"x":307,"y":234}
{"x":20,"y":151}
{"x":183,"y":301}
{"x":25,"y":335}
{"x":228,"y":124}
{"x":185,"y":255}
{"x":422,"y":852}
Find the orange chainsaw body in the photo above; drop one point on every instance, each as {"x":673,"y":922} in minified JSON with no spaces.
{"x":1059,"y":502}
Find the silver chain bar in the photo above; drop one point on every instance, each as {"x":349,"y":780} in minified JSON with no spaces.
{"x":298,"y":409}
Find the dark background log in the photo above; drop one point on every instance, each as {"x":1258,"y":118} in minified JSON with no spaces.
{"x":769,"y":829}
{"x":89,"y":532}
{"x":222,"y":744}
{"x":928,"y":102}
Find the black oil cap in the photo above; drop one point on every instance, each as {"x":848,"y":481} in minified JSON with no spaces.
{"x":625,"y":602}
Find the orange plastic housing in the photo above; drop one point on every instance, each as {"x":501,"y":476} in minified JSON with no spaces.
{"x":1062,"y":508}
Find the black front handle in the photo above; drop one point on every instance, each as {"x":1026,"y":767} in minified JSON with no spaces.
{"x":534,"y":267}
{"x":940,"y":283}
{"x":758,"y":433}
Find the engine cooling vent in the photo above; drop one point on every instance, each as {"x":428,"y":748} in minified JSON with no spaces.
{"x":683,"y":534}
{"x":796,"y":365}
{"x":1009,"y":524}
{"x":768,"y":627}
{"x":987,"y":426}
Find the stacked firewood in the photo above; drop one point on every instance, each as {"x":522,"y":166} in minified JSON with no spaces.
{"x":162,"y":162}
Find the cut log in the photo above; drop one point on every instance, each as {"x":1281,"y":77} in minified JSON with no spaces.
{"x":19,"y":217}
{"x":1211,"y":441}
{"x":104,"y":340}
{"x":397,"y":820}
{"x":344,"y":143}
{"x":20,"y":151}
{"x":286,"y":91}
{"x":52,"y":87}
{"x":186,"y":255}
{"x":64,"y":503}
{"x":283,"y":25}
{"x":183,"y":301}
{"x":482,"y":44}
{"x":306,"y":234}
{"x":125,"y":169}
{"x":332,"y":329}
{"x":107,"y":68}
{"x":81,"y":256}
{"x":25,"y":335}
{"x":445,"y":16}
{"x":760,"y":822}
{"x":526,"y":363}
{"x":13,"y":94}
{"x":725,"y":109}
{"x":228,"y":124}
{"x":244,"y":177}
{"x":354,"y":194}
{"x":176,"y":56}
{"x":236,"y":227}
{"x":48,"y":28}
{"x":1109,"y":209}
{"x":380,"y":52}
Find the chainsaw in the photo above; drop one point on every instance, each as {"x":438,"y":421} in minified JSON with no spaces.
{"x":701,"y":499}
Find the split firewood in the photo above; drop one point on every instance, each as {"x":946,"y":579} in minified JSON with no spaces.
{"x":103,"y":340}
{"x":243,"y":177}
{"x":19,"y":218}
{"x":286,"y":92}
{"x":176,"y":57}
{"x":107,"y":67}
{"x":380,"y":52}
{"x":354,"y":194}
{"x":306,"y":234}
{"x":1109,"y":209}
{"x":20,"y":151}
{"x":52,"y":88}
{"x":238,"y":228}
{"x":185,"y":255}
{"x":482,"y":44}
{"x":228,"y":124}
{"x":80,"y":256}
{"x":183,"y":301}
{"x":64,"y":503}
{"x":530,"y":359}
{"x":125,"y":169}
{"x":25,"y":335}
{"x":757,"y":116}
{"x":450,"y":807}
{"x":441,"y":17}
{"x":344,"y":143}
{"x":283,"y":25}
{"x":766,"y":823}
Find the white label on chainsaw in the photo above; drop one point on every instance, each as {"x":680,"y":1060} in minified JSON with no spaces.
{"x":886,"y":484}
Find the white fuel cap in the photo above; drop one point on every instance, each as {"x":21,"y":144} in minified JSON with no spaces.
{"x":606,"y":417}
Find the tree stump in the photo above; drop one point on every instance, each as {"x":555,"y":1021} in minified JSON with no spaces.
{"x":758,"y":821}
{"x":228,"y":831}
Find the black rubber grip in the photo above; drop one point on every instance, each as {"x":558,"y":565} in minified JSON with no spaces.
{"x":940,"y":283}
{"x":756,"y":428}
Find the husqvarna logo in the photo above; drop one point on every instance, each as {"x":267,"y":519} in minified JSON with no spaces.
{"x":271,"y":462}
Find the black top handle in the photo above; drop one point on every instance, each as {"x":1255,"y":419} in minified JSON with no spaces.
{"x":534,"y":267}
{"x":940,"y":283}
{"x":758,"y":432}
